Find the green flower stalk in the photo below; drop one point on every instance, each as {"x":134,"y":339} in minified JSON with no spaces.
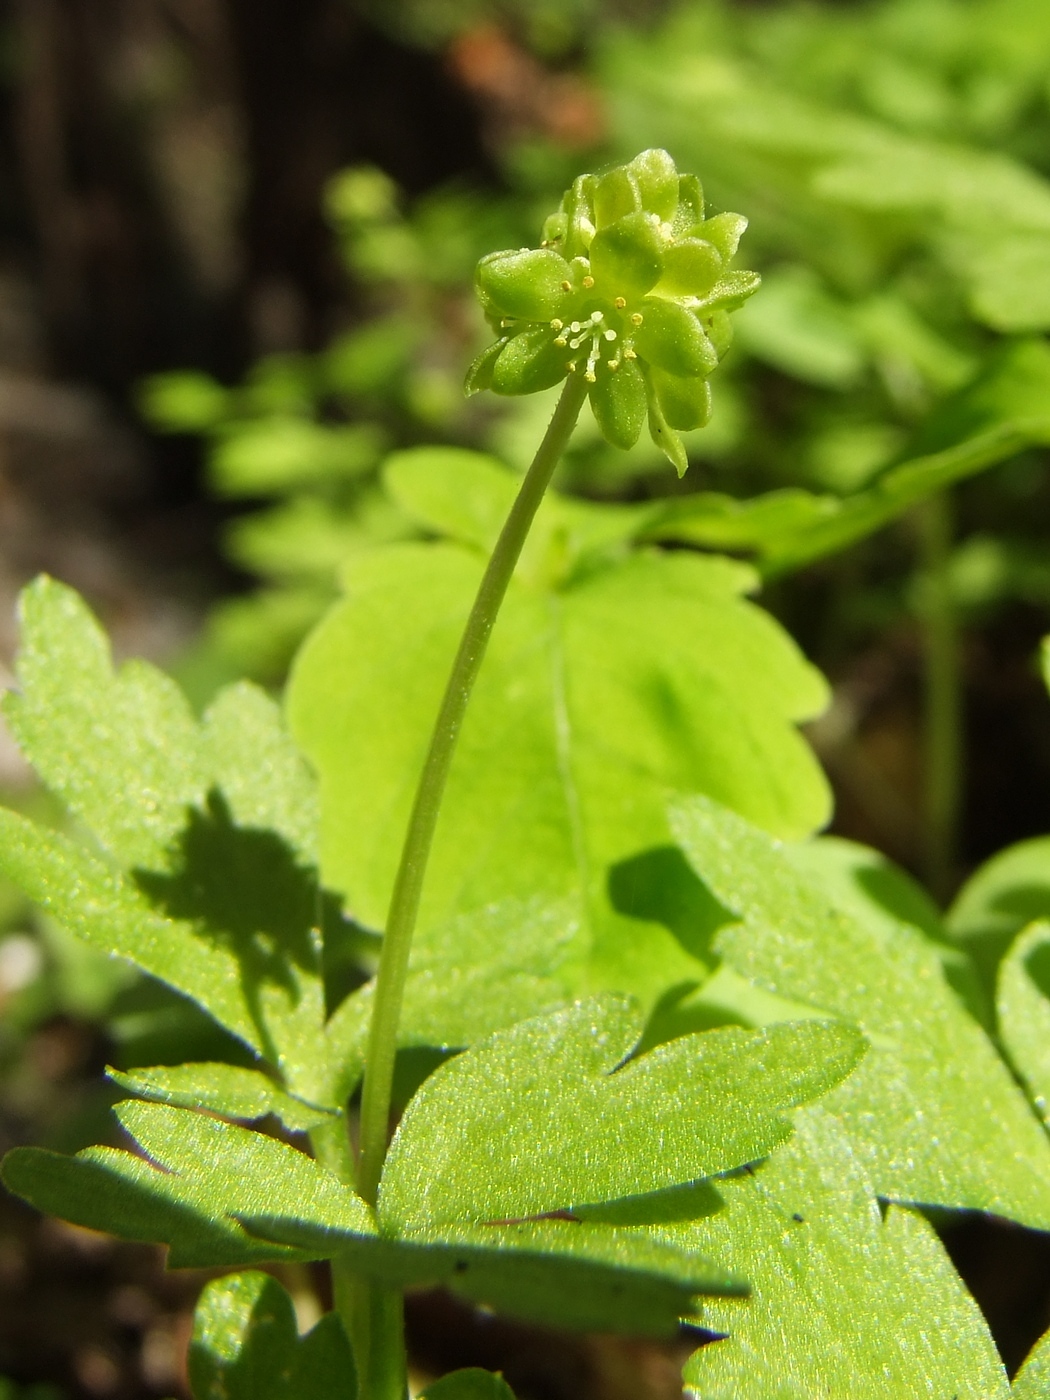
{"x":631,"y":290}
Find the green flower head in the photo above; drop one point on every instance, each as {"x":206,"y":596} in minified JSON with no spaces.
{"x":630,"y":289}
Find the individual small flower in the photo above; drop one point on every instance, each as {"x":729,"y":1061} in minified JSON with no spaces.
{"x":631,"y":289}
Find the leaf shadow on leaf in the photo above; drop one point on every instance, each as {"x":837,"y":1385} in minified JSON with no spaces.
{"x":246,"y":891}
{"x":660,"y":886}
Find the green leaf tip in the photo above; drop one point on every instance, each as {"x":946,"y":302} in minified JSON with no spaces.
{"x":246,"y":1346}
{"x":630,"y":289}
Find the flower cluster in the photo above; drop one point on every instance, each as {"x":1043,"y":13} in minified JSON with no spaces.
{"x":630,"y":289}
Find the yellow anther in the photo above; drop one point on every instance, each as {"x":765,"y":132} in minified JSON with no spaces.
{"x":590,"y":376}
{"x":588,"y":282}
{"x":620,"y":303}
{"x":566,"y":286}
{"x":560,"y":340}
{"x":556,"y":325}
{"x":630,"y":355}
{"x":613,"y":364}
{"x":636,"y":319}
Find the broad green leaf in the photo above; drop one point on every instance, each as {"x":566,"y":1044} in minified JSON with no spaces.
{"x":199,"y":1175}
{"x":210,"y":1175}
{"x":224,"y":1089}
{"x":211,"y":828}
{"x":472,"y":1384}
{"x":845,"y":1304}
{"x":121,"y":749}
{"x":246,"y":1346}
{"x":547,"y":1116}
{"x":1032,"y":1381}
{"x":931,"y":1104}
{"x":594,"y":703}
{"x":1004,"y":411}
{"x":999,"y":899}
{"x":1023,"y":1006}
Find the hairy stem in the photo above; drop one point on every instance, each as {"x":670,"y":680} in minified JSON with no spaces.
{"x":943,"y":698}
{"x":404,"y":904}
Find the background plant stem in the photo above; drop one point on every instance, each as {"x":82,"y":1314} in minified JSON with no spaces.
{"x":943,"y":753}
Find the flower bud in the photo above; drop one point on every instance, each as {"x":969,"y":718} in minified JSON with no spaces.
{"x":631,"y":290}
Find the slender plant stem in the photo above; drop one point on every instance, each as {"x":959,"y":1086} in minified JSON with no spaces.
{"x":943,"y":745}
{"x":404,"y":904}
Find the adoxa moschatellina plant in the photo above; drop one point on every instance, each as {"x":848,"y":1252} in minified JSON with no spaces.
{"x":516,"y":1171}
{"x":628,"y":302}
{"x":628,"y":298}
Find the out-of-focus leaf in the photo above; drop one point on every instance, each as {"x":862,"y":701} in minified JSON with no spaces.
{"x":846,"y":1305}
{"x":1007,"y":892}
{"x":246,"y":1346}
{"x":1005,"y":410}
{"x":1023,"y":1005}
{"x":270,"y":456}
{"x":471,"y":1384}
{"x":930,"y":1105}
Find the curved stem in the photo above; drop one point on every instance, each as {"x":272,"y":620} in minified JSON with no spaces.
{"x":404,"y":904}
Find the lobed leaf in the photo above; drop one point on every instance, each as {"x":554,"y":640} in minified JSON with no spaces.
{"x":1032,"y":1381}
{"x":214,"y":1181}
{"x":845,"y":1305}
{"x":552,"y":1114}
{"x":210,"y":828}
{"x":588,"y":711}
{"x":999,"y":899}
{"x":932,"y":1102}
{"x":246,"y":1346}
{"x":223,"y":1089}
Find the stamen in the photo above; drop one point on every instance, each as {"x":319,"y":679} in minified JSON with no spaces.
{"x":575,"y":327}
{"x":566,"y":286}
{"x":588,"y":282}
{"x":620,"y":303}
{"x":560,"y":340}
{"x":556,"y":325}
{"x":609,"y":335}
{"x":636,"y":319}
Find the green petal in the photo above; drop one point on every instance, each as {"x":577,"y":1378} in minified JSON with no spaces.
{"x":618,"y":399}
{"x":719,"y":330}
{"x":657,"y":178}
{"x":627,"y":256}
{"x":530,"y":361}
{"x":691,"y":268}
{"x":690,"y":211}
{"x":724,"y":231}
{"x":525,"y":283}
{"x":479,"y":376}
{"x":673,"y":339}
{"x":615,"y":195}
{"x":686,"y":402}
{"x":665,"y":437}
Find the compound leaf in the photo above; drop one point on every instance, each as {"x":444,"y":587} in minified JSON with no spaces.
{"x":213,"y":1179}
{"x":846,"y":1305}
{"x":547,"y":1116}
{"x":587,"y":712}
{"x":246,"y":1346}
{"x":929,"y":1106}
